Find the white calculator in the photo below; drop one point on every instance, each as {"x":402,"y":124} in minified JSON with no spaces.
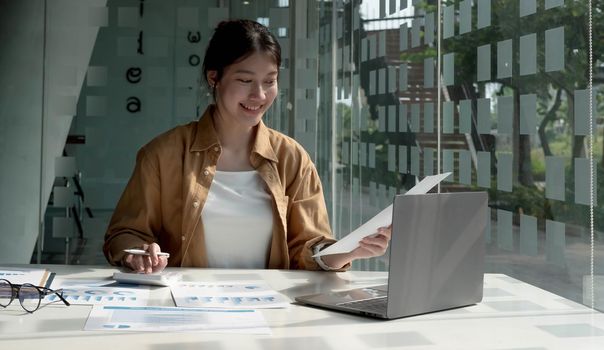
{"x":154,"y":279}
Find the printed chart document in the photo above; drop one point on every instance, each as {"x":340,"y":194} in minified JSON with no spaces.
{"x":101,"y":292}
{"x":163,"y":319}
{"x":37,"y":277}
{"x":228,"y":294}
{"x":383,"y":218}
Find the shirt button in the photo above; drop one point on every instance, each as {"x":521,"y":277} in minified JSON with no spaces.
{"x":206,"y":173}
{"x":196,"y":204}
{"x":197,"y":153}
{"x":216,"y":149}
{"x":183,"y":237}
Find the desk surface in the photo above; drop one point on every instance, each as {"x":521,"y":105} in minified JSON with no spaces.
{"x":513,"y":315}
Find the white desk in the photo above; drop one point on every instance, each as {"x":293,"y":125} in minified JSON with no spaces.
{"x":513,"y":315}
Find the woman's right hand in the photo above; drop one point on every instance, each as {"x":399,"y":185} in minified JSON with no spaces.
{"x":146,"y":264}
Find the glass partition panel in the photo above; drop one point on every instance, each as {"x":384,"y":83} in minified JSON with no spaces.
{"x":116,"y":75}
{"x":515,"y":81}
{"x":497,"y":92}
{"x":380,"y":93}
{"x":21,"y":99}
{"x":384,"y":132}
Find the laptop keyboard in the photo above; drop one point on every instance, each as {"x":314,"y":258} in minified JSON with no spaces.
{"x":376,"y":305}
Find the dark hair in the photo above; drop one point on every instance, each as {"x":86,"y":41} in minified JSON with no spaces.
{"x":235,"y":40}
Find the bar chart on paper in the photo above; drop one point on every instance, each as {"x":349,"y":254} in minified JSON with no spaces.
{"x":91,"y":292}
{"x":154,"y":319}
{"x":228,"y":295}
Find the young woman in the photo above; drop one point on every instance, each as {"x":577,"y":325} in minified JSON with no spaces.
{"x":226,"y":191}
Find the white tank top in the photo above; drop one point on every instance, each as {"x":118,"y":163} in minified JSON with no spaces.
{"x":238,"y":221}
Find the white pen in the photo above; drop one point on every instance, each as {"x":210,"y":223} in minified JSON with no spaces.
{"x":144,"y":252}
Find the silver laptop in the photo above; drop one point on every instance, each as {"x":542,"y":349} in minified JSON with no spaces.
{"x":436,"y":259}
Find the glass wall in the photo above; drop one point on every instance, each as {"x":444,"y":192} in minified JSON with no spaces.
{"x":139,"y":75}
{"x":496,"y":92}
{"x":380,"y":93}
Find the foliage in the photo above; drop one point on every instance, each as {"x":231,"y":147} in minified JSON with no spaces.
{"x":538,"y":165}
{"x":507,"y":25}
{"x":569,"y":212}
{"x":556,"y":120}
{"x":528,"y":200}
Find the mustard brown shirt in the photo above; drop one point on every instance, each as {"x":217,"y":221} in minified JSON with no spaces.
{"x":164,"y":198}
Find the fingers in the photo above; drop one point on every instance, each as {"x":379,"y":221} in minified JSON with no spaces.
{"x":375,"y":245}
{"x":153,"y":249}
{"x":136,"y":262}
{"x":144,"y":263}
{"x":385,"y":231}
{"x":161,"y":265}
{"x":366,"y":250}
{"x":376,"y":250}
{"x":380,"y":240}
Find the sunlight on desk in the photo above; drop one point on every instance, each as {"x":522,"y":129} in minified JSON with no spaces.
{"x":513,"y":315}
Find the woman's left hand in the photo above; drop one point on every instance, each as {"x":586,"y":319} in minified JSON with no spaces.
{"x":373,"y":245}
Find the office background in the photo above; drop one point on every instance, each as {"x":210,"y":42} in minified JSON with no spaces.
{"x":378,"y":92}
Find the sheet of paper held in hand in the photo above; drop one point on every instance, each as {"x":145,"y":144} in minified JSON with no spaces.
{"x":228,"y":294}
{"x":383,"y":218}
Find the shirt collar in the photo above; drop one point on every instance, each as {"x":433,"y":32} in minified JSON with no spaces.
{"x":262,"y":144}
{"x":206,"y":137}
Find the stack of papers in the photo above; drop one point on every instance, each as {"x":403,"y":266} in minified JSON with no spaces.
{"x":37,"y":277}
{"x":208,"y":307}
{"x":201,"y":306}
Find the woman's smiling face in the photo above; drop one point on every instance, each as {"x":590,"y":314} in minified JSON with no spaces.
{"x":246,"y":90}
